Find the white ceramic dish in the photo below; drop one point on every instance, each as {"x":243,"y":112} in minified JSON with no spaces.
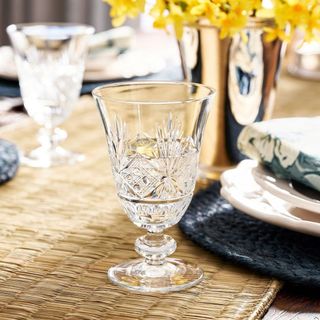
{"x":133,"y":63}
{"x":106,"y":66}
{"x":241,"y":190}
{"x":304,"y":198}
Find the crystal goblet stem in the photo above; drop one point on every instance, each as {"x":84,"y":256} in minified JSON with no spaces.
{"x":50,"y":153}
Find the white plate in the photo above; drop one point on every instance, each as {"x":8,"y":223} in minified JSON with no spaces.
{"x":304,"y":198}
{"x":240,"y":189}
{"x":102,"y":67}
{"x":133,"y":63}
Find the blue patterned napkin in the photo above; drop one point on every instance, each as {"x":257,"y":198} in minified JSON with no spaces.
{"x":290,"y":147}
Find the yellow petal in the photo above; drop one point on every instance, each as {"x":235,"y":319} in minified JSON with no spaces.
{"x":118,"y":21}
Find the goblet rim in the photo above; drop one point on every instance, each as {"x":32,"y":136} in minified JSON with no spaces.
{"x":86,"y":29}
{"x":96,"y":92}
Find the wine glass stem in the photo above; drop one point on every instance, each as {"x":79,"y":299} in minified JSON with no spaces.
{"x":49,"y":138}
{"x":155,"y":247}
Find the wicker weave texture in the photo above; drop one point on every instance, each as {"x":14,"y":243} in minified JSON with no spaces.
{"x":60,"y":229}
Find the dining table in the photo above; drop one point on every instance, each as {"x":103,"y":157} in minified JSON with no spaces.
{"x":62,"y":228}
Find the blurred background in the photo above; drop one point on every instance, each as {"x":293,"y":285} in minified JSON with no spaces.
{"x":132,"y":51}
{"x":148,"y":51}
{"x":94,"y":12}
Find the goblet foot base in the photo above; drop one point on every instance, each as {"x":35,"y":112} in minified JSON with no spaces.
{"x":45,"y":158}
{"x":173,"y":275}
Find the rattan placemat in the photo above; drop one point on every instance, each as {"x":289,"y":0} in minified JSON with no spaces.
{"x":60,"y":229}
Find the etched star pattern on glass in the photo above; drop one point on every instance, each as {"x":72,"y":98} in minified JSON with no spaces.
{"x":154,"y":132}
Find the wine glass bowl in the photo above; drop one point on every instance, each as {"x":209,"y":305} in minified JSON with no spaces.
{"x":154,"y":132}
{"x":50,"y":61}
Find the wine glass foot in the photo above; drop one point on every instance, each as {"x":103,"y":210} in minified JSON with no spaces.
{"x":173,"y":275}
{"x":44,"y":158}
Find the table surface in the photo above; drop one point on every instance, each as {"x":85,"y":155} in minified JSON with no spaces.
{"x":62,"y":228}
{"x":296,"y":97}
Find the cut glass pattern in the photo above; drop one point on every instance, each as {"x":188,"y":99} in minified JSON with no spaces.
{"x":155,"y":177}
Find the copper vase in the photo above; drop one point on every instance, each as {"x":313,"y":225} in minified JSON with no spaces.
{"x":244,"y":70}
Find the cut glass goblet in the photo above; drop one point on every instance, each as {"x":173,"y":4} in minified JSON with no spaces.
{"x":154,"y":132}
{"x":50,"y":60}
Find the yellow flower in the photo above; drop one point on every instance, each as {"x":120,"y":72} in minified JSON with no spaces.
{"x":231,"y":24}
{"x":275,"y":33}
{"x":235,"y":19}
{"x":312,"y":29}
{"x":293,"y":12}
{"x":297,"y":14}
{"x":230,"y":16}
{"x":121,"y":9}
{"x":205,"y":9}
{"x":256,"y":4}
{"x":172,"y":12}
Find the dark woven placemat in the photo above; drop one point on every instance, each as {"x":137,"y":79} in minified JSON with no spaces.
{"x":10,"y":88}
{"x":218,"y":227}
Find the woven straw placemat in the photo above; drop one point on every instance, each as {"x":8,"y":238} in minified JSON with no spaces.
{"x":61,"y":228}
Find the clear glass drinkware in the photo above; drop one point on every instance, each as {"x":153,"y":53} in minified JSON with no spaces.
{"x":50,"y":60}
{"x":154,"y":132}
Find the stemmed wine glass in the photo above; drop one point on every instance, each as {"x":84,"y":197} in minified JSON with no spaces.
{"x":50,"y":61}
{"x":154,"y":132}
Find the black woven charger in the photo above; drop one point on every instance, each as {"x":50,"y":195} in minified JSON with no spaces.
{"x":215,"y":225}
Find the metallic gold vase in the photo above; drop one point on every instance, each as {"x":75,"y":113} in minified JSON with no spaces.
{"x":244,"y":71}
